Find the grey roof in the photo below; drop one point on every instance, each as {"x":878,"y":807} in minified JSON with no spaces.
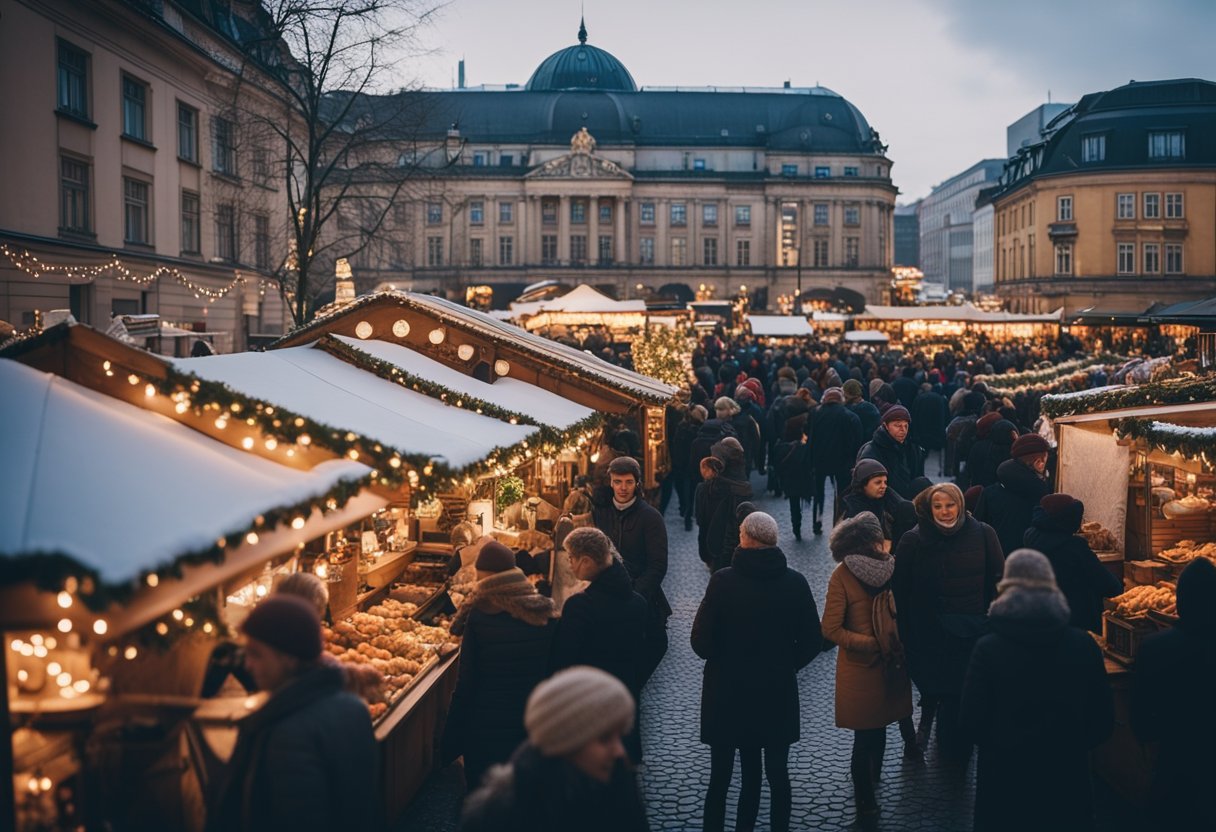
{"x":582,"y":67}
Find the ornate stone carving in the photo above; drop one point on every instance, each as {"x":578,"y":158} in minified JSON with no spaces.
{"x":582,"y":142}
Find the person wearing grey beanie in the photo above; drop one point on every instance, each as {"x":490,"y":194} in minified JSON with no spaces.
{"x":757,"y":626}
{"x":571,"y":772}
{"x":1036,"y":701}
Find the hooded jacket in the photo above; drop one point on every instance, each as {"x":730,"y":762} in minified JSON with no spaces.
{"x":710,"y":432}
{"x":904,"y":462}
{"x":718,"y":531}
{"x":894,"y":513}
{"x":603,"y":626}
{"x":1080,"y":575}
{"x":987,"y":454}
{"x":1006,"y":505}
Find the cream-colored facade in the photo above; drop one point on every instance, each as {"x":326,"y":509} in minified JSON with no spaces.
{"x":131,"y":183}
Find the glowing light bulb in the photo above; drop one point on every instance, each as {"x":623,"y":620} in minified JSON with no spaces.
{"x":297,"y":523}
{"x":271,"y":444}
{"x":394,"y":462}
{"x":133,"y":379}
{"x":23,"y":675}
{"x":65,"y":625}
{"x":304,"y":439}
{"x":153,"y":579}
{"x":81,"y":685}
{"x":63,"y":679}
{"x":54,"y":669}
{"x":181,"y":407}
{"x":45,"y":783}
{"x":247,"y":443}
{"x":251,"y":538}
{"x":100,"y":626}
{"x":130,"y":653}
{"x":40,"y":651}
{"x":64,"y":599}
{"x":353,"y":454}
{"x":436,"y":335}
{"x":178,"y":615}
{"x":150,"y":390}
{"x":207,"y":628}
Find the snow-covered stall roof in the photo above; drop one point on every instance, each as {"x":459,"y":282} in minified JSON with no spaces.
{"x":509,"y":393}
{"x":580,"y":363}
{"x":322,"y":387}
{"x":583,"y":298}
{"x":866,"y":336}
{"x":92,"y":477}
{"x":779,"y":326}
{"x":966,"y":312}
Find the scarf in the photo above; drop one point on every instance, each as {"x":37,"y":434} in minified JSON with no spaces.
{"x":510,"y":592}
{"x":875,"y":573}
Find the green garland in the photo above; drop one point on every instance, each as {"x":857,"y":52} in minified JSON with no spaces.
{"x":1013,"y":381}
{"x":1185,"y":390}
{"x":1191,"y":442}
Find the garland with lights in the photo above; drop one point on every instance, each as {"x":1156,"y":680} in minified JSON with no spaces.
{"x":662,"y":353}
{"x":1015,"y":382}
{"x":1183,"y":390}
{"x":1191,"y":442}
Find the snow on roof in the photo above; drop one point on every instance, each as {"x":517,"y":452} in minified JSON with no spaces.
{"x":577,"y":361}
{"x":870,"y":335}
{"x":584,"y":298}
{"x":779,"y":326}
{"x":965,"y":312}
{"x":94,"y":475}
{"x":509,"y":393}
{"x":328,"y":390}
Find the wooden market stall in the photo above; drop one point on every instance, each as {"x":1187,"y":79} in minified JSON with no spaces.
{"x":936,"y":323}
{"x":780,"y":328}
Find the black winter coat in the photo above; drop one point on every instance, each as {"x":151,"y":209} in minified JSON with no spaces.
{"x":906,"y":388}
{"x":1036,"y":700}
{"x":943,"y":586}
{"x":717,"y":528}
{"x":640,"y":535}
{"x":1079,"y":574}
{"x":1006,"y":504}
{"x":987,"y":455}
{"x":834,"y":434}
{"x":710,"y":432}
{"x":790,"y":460}
{"x":896,"y":514}
{"x":868,"y":414}
{"x":501,"y":660}
{"x":604,"y":626}
{"x":904,"y":462}
{"x":536,"y":793}
{"x":681,"y":445}
{"x":757,"y":626}
{"x":307,"y":760}
{"x":929,"y":415}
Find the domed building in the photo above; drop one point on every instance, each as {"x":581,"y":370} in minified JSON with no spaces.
{"x":582,"y":176}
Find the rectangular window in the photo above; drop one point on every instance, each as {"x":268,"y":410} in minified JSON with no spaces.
{"x":1093,"y":148}
{"x":578,"y":211}
{"x":1152,"y":258}
{"x":506,"y":160}
{"x":396,"y":254}
{"x":822,"y":171}
{"x":1126,"y":204}
{"x":578,"y":249}
{"x":1166,"y":144}
{"x":401,"y":214}
{"x":74,"y":196}
{"x":646,"y":213}
{"x":475,"y":246}
{"x":226,"y":245}
{"x":709,"y":215}
{"x":820,"y":213}
{"x":679,"y":214}
{"x":743,"y":252}
{"x":850,"y":171}
{"x":134,"y":108}
{"x":1126,"y":258}
{"x":789,"y":170}
{"x":259,"y":165}
{"x":698,"y":164}
{"x":187,"y":133}
{"x":479,"y":159}
{"x":548,"y":249}
{"x":261,"y":241}
{"x":191,"y":223}
{"x":434,"y":251}
{"x":1173,"y":207}
{"x":709,"y":251}
{"x":1173,"y":258}
{"x":679,"y":251}
{"x":821,"y":253}
{"x":1063,"y":258}
{"x":646,"y":251}
{"x":743,"y":215}
{"x":548,"y":211}
{"x":605,"y":211}
{"x":135,"y":211}
{"x":1064,"y":211}
{"x":852,"y":251}
{"x":224,"y":160}
{"x":434,"y":213}
{"x":73,"y":80}
{"x":506,"y":213}
{"x":852,"y":215}
{"x":1152,"y":206}
{"x":605,"y":250}
{"x":506,"y":251}
{"x":477,"y":213}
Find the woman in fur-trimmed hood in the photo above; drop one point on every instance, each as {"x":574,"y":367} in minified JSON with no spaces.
{"x":1036,"y":701}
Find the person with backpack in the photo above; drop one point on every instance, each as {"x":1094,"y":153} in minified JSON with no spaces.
{"x":872,"y":685}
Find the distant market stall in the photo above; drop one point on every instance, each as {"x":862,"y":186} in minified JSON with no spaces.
{"x":584,"y":309}
{"x":780,"y":327}
{"x":921,"y":323}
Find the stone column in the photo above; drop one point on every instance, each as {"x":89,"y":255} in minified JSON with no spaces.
{"x":593,"y":230}
{"x":620,"y":246}
{"x":563,"y":230}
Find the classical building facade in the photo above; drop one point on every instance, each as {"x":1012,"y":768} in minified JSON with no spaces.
{"x":1116,"y":208}
{"x":130,"y":182}
{"x":946,"y":232}
{"x":582,"y":177}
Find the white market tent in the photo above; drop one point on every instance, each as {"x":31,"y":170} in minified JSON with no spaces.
{"x":95,"y":481}
{"x":584,"y":298}
{"x":967,"y":312}
{"x":326,"y":389}
{"x":866,"y":336}
{"x":512,"y":394}
{"x":780,"y":326}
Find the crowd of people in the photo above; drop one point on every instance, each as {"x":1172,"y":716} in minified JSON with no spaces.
{"x":962,"y":590}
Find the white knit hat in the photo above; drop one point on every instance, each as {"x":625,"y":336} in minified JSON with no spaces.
{"x":573,"y":707}
{"x":761,"y":528}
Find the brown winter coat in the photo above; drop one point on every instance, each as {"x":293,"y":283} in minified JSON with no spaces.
{"x":868,"y":693}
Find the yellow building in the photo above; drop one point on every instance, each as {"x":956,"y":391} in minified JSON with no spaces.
{"x":1116,"y":207}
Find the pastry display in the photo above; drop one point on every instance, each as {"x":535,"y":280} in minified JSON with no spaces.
{"x":1099,"y":538}
{"x":1138,"y":600}
{"x":1185,"y":506}
{"x":1184,"y":551}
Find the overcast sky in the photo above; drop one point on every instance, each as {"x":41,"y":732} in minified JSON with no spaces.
{"x":939,"y":79}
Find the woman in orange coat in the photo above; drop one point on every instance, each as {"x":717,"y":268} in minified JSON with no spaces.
{"x":872,"y":685}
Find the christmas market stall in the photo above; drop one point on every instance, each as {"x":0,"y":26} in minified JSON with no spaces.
{"x":581,"y":310}
{"x":936,"y":323}
{"x":780,"y":329}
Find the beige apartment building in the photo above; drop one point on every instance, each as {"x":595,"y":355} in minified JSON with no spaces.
{"x":131,"y":181}
{"x":1116,"y":208}
{"x":582,"y":177}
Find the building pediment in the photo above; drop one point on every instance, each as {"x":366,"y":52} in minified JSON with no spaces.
{"x":580,"y":166}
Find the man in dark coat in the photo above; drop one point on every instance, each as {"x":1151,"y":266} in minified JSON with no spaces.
{"x":1172,"y":691}
{"x":1054,"y":526}
{"x":904,"y":461}
{"x":979,"y":450}
{"x":720,"y":496}
{"x":681,"y":453}
{"x":961,"y":432}
{"x":307,"y":759}
{"x":862,"y":409}
{"x":1006,"y":505}
{"x":757,"y":626}
{"x":929,"y":413}
{"x":988,"y":454}
{"x":906,"y":387}
{"x":789,"y":461}
{"x":639,"y":534}
{"x":834,"y":436}
{"x":868,"y":491}
{"x":1036,"y":701}
{"x":711,"y":431}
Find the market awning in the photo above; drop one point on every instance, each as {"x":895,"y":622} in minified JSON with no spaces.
{"x":966,"y":312}
{"x":322,"y":387}
{"x":779,"y":326}
{"x":866,"y":336}
{"x":124,"y":491}
{"x":585,"y":299}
